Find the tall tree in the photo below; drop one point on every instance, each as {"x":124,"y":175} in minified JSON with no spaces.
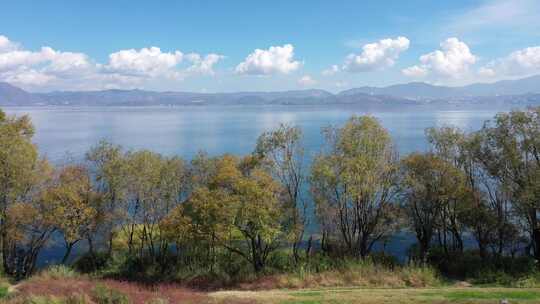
{"x":107,"y":164}
{"x":75,"y":205}
{"x":23,"y":177}
{"x":353,"y":183}
{"x":282,"y":152}
{"x":428,"y":184}
{"x":510,"y":151}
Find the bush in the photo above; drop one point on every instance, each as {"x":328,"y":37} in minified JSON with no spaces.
{"x":57,"y":272}
{"x":529,"y":281}
{"x":499,"y":270}
{"x":88,"y":263}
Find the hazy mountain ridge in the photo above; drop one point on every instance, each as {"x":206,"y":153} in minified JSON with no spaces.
{"x":421,"y":90}
{"x":508,"y":92}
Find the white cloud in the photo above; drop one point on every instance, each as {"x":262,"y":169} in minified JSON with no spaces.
{"x":204,"y":65}
{"x":24,"y":76}
{"x":47,"y":68}
{"x":415,"y":71}
{"x":6,"y":45}
{"x":378,"y":55}
{"x":306,"y":81}
{"x":524,"y":62}
{"x":149,"y":62}
{"x":15,"y":58}
{"x":451,"y":61}
{"x":331,"y":70}
{"x":277,"y":59}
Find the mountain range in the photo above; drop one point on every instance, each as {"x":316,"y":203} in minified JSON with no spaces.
{"x":524,"y":91}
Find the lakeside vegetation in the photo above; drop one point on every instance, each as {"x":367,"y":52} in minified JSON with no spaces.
{"x":240,"y":221}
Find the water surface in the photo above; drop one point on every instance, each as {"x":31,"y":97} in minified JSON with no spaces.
{"x":186,"y":130}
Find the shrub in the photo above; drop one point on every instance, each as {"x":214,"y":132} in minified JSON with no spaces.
{"x":57,"y":272}
{"x":88,"y":263}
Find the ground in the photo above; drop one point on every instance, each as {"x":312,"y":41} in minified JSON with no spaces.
{"x":383,"y":296}
{"x":49,"y":288}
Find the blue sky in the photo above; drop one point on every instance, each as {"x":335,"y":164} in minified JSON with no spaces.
{"x":212,"y":45}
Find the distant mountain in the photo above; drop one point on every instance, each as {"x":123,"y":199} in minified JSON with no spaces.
{"x":11,"y":95}
{"x":503,"y":93}
{"x":140,"y":97}
{"x":420,"y":90}
{"x":529,"y":85}
{"x":413,"y":90}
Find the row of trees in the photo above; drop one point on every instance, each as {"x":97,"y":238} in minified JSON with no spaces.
{"x":152,"y":207}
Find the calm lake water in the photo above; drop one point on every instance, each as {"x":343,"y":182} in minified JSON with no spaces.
{"x":70,"y":131}
{"x":184,"y":131}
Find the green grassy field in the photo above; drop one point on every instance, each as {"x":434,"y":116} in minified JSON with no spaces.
{"x":383,"y":296}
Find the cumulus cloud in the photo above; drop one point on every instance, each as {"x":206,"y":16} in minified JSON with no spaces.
{"x":451,"y":61}
{"x":25,"y":76}
{"x":144,"y":62}
{"x":306,"y":81}
{"x":331,"y":70}
{"x":378,"y":55}
{"x":6,"y":45}
{"x":524,"y":62}
{"x":204,"y":65}
{"x":49,"y":68}
{"x":275,"y":60}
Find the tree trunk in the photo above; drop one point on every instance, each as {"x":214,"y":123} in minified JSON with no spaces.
{"x":536,"y":243}
{"x":69,"y":247}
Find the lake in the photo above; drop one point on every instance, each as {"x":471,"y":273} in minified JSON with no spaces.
{"x":184,"y":131}
{"x":70,"y":131}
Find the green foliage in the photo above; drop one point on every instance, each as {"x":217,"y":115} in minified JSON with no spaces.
{"x":3,"y":291}
{"x":353,"y":184}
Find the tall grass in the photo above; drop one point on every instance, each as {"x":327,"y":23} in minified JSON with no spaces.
{"x":352,"y":273}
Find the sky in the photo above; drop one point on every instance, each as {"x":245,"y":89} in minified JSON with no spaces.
{"x":237,"y":45}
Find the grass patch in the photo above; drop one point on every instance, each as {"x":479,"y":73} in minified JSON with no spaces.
{"x":478,"y":294}
{"x":447,"y":295}
{"x":3,"y":291}
{"x":307,"y":294}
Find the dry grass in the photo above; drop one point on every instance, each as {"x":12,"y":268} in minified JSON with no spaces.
{"x":355,"y":276}
{"x":55,"y":289}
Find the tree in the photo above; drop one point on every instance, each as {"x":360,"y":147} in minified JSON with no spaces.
{"x":75,"y":205}
{"x":108,"y":167}
{"x":353,"y":184}
{"x":428,"y":184}
{"x":239,"y":208}
{"x":259,"y":216}
{"x":509,"y":149}
{"x":29,"y":224}
{"x":281,"y":151}
{"x":155,"y":186}
{"x":24,"y":221}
